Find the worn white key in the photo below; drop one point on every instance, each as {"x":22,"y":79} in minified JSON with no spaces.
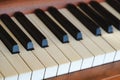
{"x":29,"y":60}
{"x":6,"y":69}
{"x":116,"y":14}
{"x":34,"y":64}
{"x":94,"y":49}
{"x":116,"y":32}
{"x":49,"y":63}
{"x":57,"y":55}
{"x":65,"y":48}
{"x":23,"y":70}
{"x":1,"y":77}
{"x":114,"y":42}
{"x":62,"y":61}
{"x":110,"y":52}
{"x":81,"y":50}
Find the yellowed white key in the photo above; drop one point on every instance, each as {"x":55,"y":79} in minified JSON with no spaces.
{"x":34,"y":64}
{"x":81,"y":50}
{"x":50,"y":65}
{"x":29,"y":58}
{"x":115,"y":13}
{"x":65,"y":48}
{"x":114,"y":42}
{"x":23,"y":70}
{"x":116,"y":32}
{"x":1,"y":77}
{"x":110,"y":52}
{"x":87,"y":42}
{"x":57,"y":55}
{"x":7,"y":69}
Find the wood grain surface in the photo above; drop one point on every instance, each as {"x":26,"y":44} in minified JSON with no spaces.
{"x":109,"y":71}
{"x":27,"y":6}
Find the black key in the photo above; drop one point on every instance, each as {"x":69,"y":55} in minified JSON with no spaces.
{"x":31,"y":29}
{"x":106,"y":14}
{"x":96,"y":17}
{"x":65,"y":23}
{"x":17,"y":32}
{"x":58,"y":32}
{"x":93,"y":27}
{"x":114,"y":4}
{"x":118,"y":1}
{"x":8,"y":41}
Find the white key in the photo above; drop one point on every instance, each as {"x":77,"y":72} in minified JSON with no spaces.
{"x":62,"y":61}
{"x":50,"y":65}
{"x":114,"y":42}
{"x":16,"y":60}
{"x":6,"y":69}
{"x":81,"y":50}
{"x":110,"y":52}
{"x":29,"y":58}
{"x":94,"y":49}
{"x":116,"y":32}
{"x":65,"y":48}
{"x":1,"y":77}
{"x":116,"y":14}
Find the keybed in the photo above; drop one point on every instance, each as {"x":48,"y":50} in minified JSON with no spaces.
{"x":58,"y":58}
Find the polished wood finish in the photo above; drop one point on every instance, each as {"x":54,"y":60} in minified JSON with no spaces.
{"x":27,"y":6}
{"x":109,"y":71}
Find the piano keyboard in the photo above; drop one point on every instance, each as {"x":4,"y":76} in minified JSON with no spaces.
{"x":42,"y":45}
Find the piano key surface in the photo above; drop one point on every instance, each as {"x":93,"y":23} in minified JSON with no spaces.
{"x":30,"y":28}
{"x":67,"y":50}
{"x":32,"y":62}
{"x":65,"y":23}
{"x":8,"y":41}
{"x":16,"y":62}
{"x":58,"y":58}
{"x":98,"y":40}
{"x":114,"y":4}
{"x":23,"y":39}
{"x":6,"y":69}
{"x":77,"y":46}
{"x":57,"y":55}
{"x":94,"y":49}
{"x":43,"y":56}
{"x":110,"y":9}
{"x":52,"y":44}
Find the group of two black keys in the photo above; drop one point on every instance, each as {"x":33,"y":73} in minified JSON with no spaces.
{"x":105,"y":20}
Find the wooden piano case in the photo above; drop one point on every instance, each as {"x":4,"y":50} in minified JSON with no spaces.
{"x":109,"y":71}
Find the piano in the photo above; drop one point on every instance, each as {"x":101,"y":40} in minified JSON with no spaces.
{"x":59,"y":40}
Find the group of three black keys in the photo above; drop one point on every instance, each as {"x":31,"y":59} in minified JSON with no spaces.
{"x":100,"y":17}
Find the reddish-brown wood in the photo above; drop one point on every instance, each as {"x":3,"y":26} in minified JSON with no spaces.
{"x":109,"y":71}
{"x":26,"y":6}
